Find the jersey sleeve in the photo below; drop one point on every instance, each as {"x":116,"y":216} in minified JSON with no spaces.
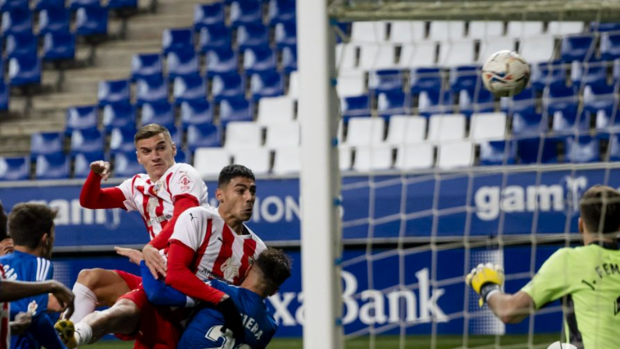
{"x":552,"y":281}
{"x":191,"y":228}
{"x":93,"y":197}
{"x":186,"y":181}
{"x":127,"y":188}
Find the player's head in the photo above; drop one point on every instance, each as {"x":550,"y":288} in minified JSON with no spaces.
{"x":155,"y":149}
{"x":274,"y":267}
{"x":32,"y":226}
{"x":600,"y":210}
{"x":236,"y":192}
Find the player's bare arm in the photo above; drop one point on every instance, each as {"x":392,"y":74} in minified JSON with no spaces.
{"x":511,"y":308}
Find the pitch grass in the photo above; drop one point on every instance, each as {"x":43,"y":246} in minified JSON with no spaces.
{"x":393,"y":342}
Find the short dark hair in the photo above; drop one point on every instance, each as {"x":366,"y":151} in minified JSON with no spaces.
{"x":3,"y":223}
{"x":28,"y":222}
{"x":151,"y":130}
{"x":600,"y":209}
{"x":233,"y":171}
{"x":275,"y":266}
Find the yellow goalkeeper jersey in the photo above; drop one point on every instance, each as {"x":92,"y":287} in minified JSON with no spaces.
{"x":587,"y":279}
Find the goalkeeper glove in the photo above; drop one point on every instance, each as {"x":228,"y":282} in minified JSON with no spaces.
{"x":485,"y":279}
{"x":232,"y":319}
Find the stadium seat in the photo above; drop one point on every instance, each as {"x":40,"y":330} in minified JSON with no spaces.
{"x":14,"y":168}
{"x":227,"y":86}
{"x":537,"y":49}
{"x":196,"y":112}
{"x":113,"y":92}
{"x":446,"y":127}
{"x":393,"y":103}
{"x":530,"y":151}
{"x":221,"y":61}
{"x":293,"y":85}
{"x":484,"y":29}
{"x":122,"y":4}
{"x":275,"y":109}
{"x":246,"y":11}
{"x":281,"y":11}
{"x":479,"y":100}
{"x":426,"y":79}
{"x":206,"y":15}
{"x":345,"y":158}
{"x":465,"y":78}
{"x":385,"y":81}
{"x":406,"y":32}
{"x":59,"y":46}
{"x":177,"y":40}
{"x":405,"y":129}
{"x":76,"y":4}
{"x":258,"y":59}
{"x":153,"y":89}
{"x":420,"y":55}
{"x":126,"y":165}
{"x":368,"y":32}
{"x":52,"y":166}
{"x":524,"y":29}
{"x":599,"y":97}
{"x":258,"y":159}
{"x":40,"y":5}
{"x":209,"y":161}
{"x":24,"y":70}
{"x":354,"y":106}
{"x":91,"y":21}
{"x":444,"y":31}
{"x":374,"y":158}
{"x":434,"y":102}
{"x":161,"y":113}
{"x":455,"y":154}
{"x":415,"y":156}
{"x":560,"y":98}
{"x":498,"y":153}
{"x":252,"y":35}
{"x":582,"y":149}
{"x":203,"y":135}
{"x":82,"y":163}
{"x":54,"y":20}
{"x":21,"y":44}
{"x":146,"y":66}
{"x":589,"y":73}
{"x":548,"y":74}
{"x":613,"y":153}
{"x":351,"y":83}
{"x":7,"y":5}
{"x":346,"y":57}
{"x":266,"y":84}
{"x":527,"y":122}
{"x":87,"y":141}
{"x":4,"y":94}
{"x":287,"y":161}
{"x":283,"y":134}
{"x":121,"y":140}
{"x":610,"y":46}
{"x":571,"y":122}
{"x":242,"y":135}
{"x":286,"y":34}
{"x":81,"y":118}
{"x":189,"y":88}
{"x":577,"y":48}
{"x":365,"y":132}
{"x":17,"y":20}
{"x":604,"y":27}
{"x":457,"y":53}
{"x":486,"y":126}
{"x":119,"y":115}
{"x":289,"y":59}
{"x":214,"y":36}
{"x":522,"y":101}
{"x":564,"y":28}
{"x":235,"y":109}
{"x":181,"y":63}
{"x":374,"y":57}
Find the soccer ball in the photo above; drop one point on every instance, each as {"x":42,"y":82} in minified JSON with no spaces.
{"x":505,"y":73}
{"x":558,"y":345}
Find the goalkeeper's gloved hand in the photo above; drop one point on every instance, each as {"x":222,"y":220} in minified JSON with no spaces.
{"x":484,"y":279}
{"x":232,"y":319}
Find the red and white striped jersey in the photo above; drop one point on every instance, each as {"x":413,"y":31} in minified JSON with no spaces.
{"x":155,"y":201}
{"x":220,"y":252}
{"x":5,"y":334}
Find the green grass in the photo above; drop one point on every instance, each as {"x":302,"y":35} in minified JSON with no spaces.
{"x":393,"y":342}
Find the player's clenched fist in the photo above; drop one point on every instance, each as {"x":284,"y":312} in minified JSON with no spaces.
{"x":101,"y":168}
{"x":485,"y":279}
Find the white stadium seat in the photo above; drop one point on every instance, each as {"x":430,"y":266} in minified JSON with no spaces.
{"x":275,"y":109}
{"x":491,"y":45}
{"x":287,"y":161}
{"x":345,"y":158}
{"x":365,"y":132}
{"x":242,"y":135}
{"x":415,"y":156}
{"x":418,"y":55}
{"x":283,"y":134}
{"x":346,"y":56}
{"x":210,"y":161}
{"x":565,"y":28}
{"x":455,"y":154}
{"x":446,"y":127}
{"x":405,"y":129}
{"x":487,"y":126}
{"x":365,"y":32}
{"x":293,"y":85}
{"x":456,"y":53}
{"x":351,"y":83}
{"x":258,"y":159}
{"x":485,"y":29}
{"x":524,"y":29}
{"x":372,"y":158}
{"x":446,"y":30}
{"x":538,"y":49}
{"x":375,"y":57}
{"x":407,"y":32}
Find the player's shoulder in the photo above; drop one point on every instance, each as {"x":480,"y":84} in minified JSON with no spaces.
{"x":259,"y":242}
{"x":203,"y":212}
{"x":181,"y":168}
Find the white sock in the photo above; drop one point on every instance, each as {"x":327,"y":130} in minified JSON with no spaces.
{"x":85,"y":302}
{"x":83,"y":333}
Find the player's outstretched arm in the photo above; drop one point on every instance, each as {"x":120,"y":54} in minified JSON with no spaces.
{"x":92,"y":196}
{"x":14,"y":290}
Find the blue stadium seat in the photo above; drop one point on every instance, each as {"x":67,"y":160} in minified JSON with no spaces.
{"x":252,"y":35}
{"x":610,"y":46}
{"x":196,"y":112}
{"x":393,"y":103}
{"x":53,"y":20}
{"x":266,"y":84}
{"x":281,"y":11}
{"x":82,"y":163}
{"x":24,"y":70}
{"x":146,"y":66}
{"x":479,"y":101}
{"x":181,"y":63}
{"x":599,"y":97}
{"x":520,"y":102}
{"x":91,"y":21}
{"x":221,"y":61}
{"x":121,"y":140}
{"x":465,"y":78}
{"x":258,"y":59}
{"x":122,"y":4}
{"x":245,"y":11}
{"x":52,"y":166}
{"x":189,"y":88}
{"x":385,"y":80}
{"x":206,"y":15}
{"x":81,"y":118}
{"x":582,"y":149}
{"x":571,"y":122}
{"x":560,"y":98}
{"x":286,"y":34}
{"x":435,"y":102}
{"x":235,"y":109}
{"x":40,"y":5}
{"x":577,"y":48}
{"x":4,"y":95}
{"x":548,"y":74}
{"x":175,"y":40}
{"x":77,"y":4}
{"x":161,"y":113}
{"x":604,"y":27}
{"x":175,"y":135}
{"x":227,"y":86}
{"x":21,"y":44}
{"x":58,"y":46}
{"x":8,"y":5}
{"x":590,"y":73}
{"x":530,"y":151}
{"x":42,"y":143}
{"x":119,"y":115}
{"x":203,"y":135}
{"x":153,"y":89}
{"x":498,"y":153}
{"x":527,"y":122}
{"x":126,"y":165}
{"x":14,"y":168}
{"x":289,"y":59}
{"x":425,"y":79}
{"x":355,"y":106}
{"x":113,"y":92}
{"x":214,"y":36}
{"x":614,"y":148}
{"x":17,"y":20}
{"x":89,"y":141}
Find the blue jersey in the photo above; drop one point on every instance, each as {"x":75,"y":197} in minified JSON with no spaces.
{"x":205,"y":329}
{"x":21,"y":266}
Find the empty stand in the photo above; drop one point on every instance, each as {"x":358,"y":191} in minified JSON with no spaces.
{"x":446,"y":127}
{"x":283,"y":135}
{"x":258,"y":159}
{"x":415,"y":156}
{"x":287,"y":161}
{"x":455,"y":154}
{"x":275,"y":109}
{"x":365,"y":132}
{"x":210,"y":161}
{"x":241,"y":135}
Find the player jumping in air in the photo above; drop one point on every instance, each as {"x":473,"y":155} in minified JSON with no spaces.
{"x":160,"y":196}
{"x":586,"y":279}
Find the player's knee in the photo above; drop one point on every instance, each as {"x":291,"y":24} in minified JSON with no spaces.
{"x":91,"y":278}
{"x":126,"y":309}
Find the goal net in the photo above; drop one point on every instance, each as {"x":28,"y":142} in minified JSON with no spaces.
{"x":439,"y":175}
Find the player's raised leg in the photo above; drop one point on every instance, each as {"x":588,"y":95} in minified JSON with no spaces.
{"x":98,"y":287}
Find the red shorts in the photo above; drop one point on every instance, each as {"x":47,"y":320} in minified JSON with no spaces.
{"x":132,"y":281}
{"x":159,"y":326}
